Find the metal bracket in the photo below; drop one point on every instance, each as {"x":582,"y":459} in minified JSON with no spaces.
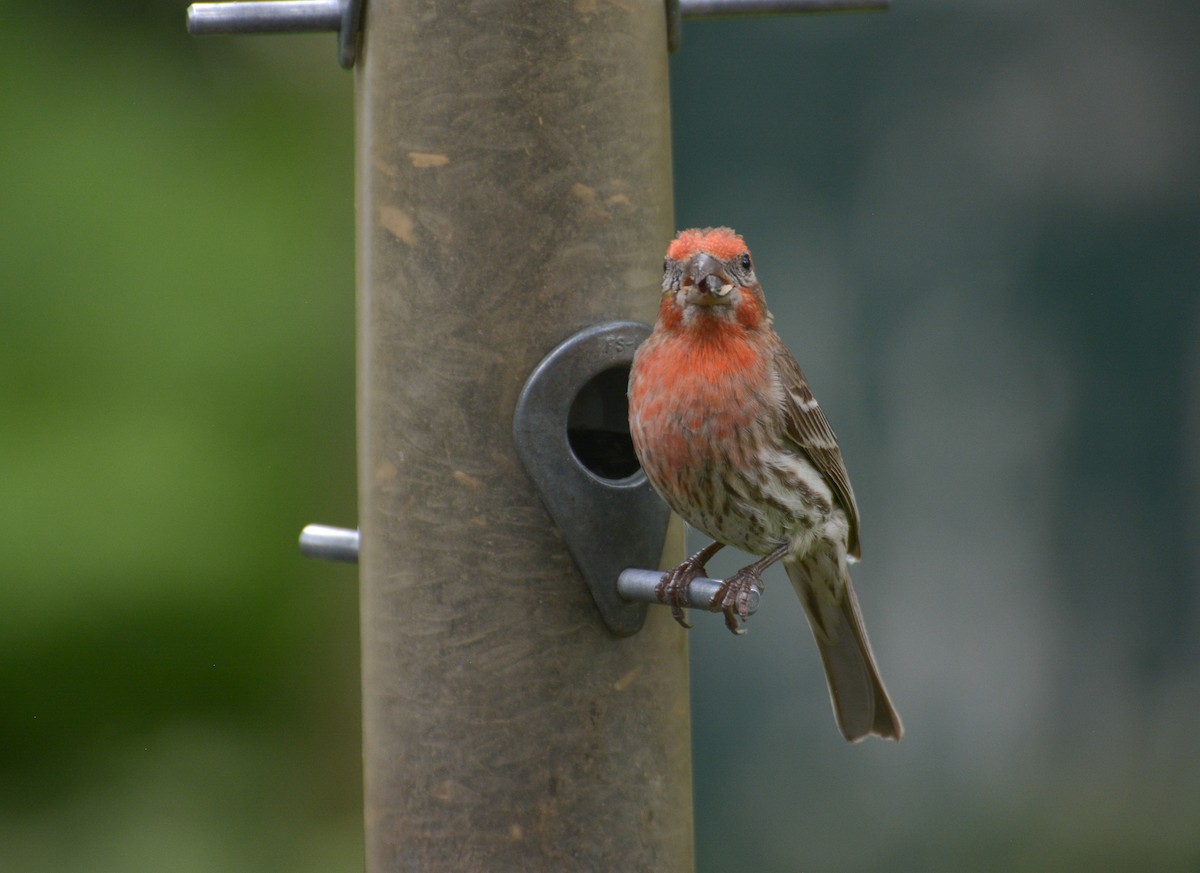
{"x":677,"y":10}
{"x":571,"y":430}
{"x":345,"y":16}
{"x":283,"y":16}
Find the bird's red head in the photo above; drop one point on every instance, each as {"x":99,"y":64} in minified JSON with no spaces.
{"x":709,"y":283}
{"x":720,"y":242}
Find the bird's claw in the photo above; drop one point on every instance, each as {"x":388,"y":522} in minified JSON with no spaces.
{"x":673,"y":589}
{"x":733,"y":597}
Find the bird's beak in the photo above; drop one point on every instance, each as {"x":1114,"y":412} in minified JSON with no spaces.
{"x":704,"y":281}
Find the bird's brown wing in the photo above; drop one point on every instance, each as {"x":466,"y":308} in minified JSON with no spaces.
{"x":807,"y":427}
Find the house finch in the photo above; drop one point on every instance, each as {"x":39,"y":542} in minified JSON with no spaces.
{"x":729,"y":434}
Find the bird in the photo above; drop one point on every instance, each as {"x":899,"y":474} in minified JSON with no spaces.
{"x":728,"y":432}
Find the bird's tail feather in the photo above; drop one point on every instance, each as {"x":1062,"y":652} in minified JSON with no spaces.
{"x":860,"y":701}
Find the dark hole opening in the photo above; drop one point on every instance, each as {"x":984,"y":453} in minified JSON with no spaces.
{"x":598,"y":426}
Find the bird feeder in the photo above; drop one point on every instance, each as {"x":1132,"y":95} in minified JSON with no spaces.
{"x":521,"y":709}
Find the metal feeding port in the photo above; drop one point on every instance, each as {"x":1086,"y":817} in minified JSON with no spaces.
{"x":572,"y":435}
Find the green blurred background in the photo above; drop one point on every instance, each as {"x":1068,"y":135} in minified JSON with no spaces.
{"x":978,"y":226}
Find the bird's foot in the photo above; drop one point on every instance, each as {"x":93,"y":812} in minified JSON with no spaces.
{"x":736,"y":593}
{"x":673,"y":589}
{"x":734,"y":596}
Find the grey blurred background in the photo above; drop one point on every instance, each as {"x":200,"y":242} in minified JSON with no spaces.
{"x":978,"y":226}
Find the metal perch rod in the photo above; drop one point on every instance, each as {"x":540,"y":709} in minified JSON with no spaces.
{"x":641,"y":586}
{"x":634,"y":584}
{"x":274,"y":16}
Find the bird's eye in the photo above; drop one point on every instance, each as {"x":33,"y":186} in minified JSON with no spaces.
{"x":746,"y":261}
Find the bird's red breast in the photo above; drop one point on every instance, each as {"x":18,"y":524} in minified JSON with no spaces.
{"x":681,"y":417}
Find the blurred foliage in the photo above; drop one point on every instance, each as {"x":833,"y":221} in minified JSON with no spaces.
{"x":176,"y":379}
{"x":979,"y":229}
